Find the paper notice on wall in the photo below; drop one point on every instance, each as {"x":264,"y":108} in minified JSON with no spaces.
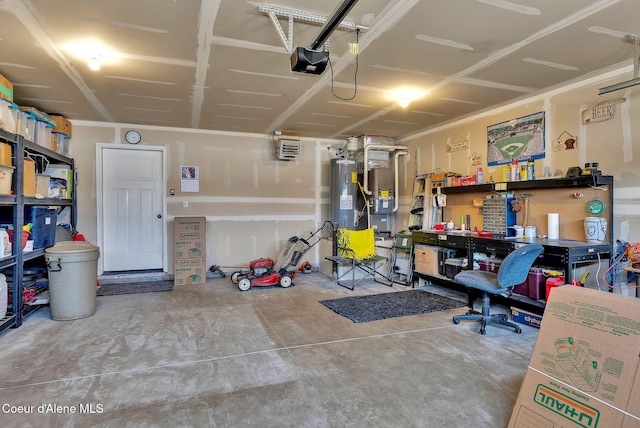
{"x":190,"y":179}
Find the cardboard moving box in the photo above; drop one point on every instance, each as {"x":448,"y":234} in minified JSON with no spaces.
{"x":190,"y":271}
{"x":189,"y":250}
{"x":62,"y":125}
{"x":6,"y":88}
{"x":585,"y":366}
{"x":29,"y":177}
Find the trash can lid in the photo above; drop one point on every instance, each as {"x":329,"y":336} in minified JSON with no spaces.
{"x":70,"y":247}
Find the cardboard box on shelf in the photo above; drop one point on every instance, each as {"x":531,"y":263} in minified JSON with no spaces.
{"x":60,"y":142}
{"x":425,"y":259}
{"x":29,"y":177}
{"x":62,"y":177}
{"x":6,"y":179}
{"x":6,"y":88}
{"x":5,"y":154}
{"x":585,"y":366}
{"x":53,"y":143}
{"x":62,"y":125}
{"x":43,"y":185}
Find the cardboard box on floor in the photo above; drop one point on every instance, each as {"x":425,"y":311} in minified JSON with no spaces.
{"x":189,"y":271}
{"x":585,"y":366}
{"x":189,"y":237}
{"x":189,"y":250}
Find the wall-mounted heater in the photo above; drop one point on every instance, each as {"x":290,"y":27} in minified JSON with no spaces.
{"x":288,"y":149}
{"x":287,"y":145}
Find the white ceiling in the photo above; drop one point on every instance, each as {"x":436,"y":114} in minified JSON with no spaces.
{"x":221,"y":64}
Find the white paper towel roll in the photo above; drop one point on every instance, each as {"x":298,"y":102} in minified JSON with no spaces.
{"x":553,"y":225}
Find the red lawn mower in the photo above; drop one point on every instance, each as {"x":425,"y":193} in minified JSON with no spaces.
{"x":281,"y":271}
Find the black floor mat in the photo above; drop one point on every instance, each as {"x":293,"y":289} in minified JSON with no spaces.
{"x":390,"y":305}
{"x":134,"y":288}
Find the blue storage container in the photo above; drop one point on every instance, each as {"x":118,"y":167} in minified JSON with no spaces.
{"x":43,"y":231}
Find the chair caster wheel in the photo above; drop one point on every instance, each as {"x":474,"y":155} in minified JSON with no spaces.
{"x":455,"y":321}
{"x":483,"y":331}
{"x":518,"y":330}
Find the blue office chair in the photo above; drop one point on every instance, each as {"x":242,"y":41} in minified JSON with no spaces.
{"x":513,"y":271}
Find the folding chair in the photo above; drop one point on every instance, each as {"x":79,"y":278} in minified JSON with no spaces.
{"x":356,"y":251}
{"x":400,"y":265}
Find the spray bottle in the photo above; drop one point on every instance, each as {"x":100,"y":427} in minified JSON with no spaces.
{"x":515,"y":171}
{"x":506,"y":173}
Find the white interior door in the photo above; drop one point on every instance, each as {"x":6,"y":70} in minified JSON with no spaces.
{"x":133,"y":221}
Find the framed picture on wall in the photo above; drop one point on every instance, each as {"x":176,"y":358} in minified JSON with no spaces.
{"x":520,"y":139}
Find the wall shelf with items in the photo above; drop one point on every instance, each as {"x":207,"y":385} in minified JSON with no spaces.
{"x":579,"y":181}
{"x":13,"y":207}
{"x":549,"y":193}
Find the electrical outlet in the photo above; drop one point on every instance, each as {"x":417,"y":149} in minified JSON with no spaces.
{"x":185,"y":204}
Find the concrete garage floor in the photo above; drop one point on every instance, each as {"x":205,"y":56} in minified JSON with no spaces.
{"x":211,"y":355}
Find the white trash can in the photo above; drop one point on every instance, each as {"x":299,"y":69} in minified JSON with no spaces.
{"x":73,"y":274}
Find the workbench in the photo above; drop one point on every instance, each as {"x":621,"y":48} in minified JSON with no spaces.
{"x":560,"y":254}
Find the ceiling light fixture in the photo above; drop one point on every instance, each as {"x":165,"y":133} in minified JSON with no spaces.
{"x":94,"y":62}
{"x":636,"y":69}
{"x":405,"y":96}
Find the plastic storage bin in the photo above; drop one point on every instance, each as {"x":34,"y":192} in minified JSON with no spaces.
{"x":8,"y":116}
{"x":537,"y":283}
{"x":21,"y":124}
{"x":27,"y":125}
{"x":62,"y":142}
{"x":490,"y":265}
{"x":4,"y":292}
{"x":44,"y":220}
{"x":453,"y":266}
{"x":73,"y":273}
{"x":443,"y":255}
{"x":43,"y":133}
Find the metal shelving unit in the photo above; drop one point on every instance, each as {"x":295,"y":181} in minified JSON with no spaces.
{"x":14,"y":264}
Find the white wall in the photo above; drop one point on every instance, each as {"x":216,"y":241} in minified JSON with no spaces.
{"x":253,"y":202}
